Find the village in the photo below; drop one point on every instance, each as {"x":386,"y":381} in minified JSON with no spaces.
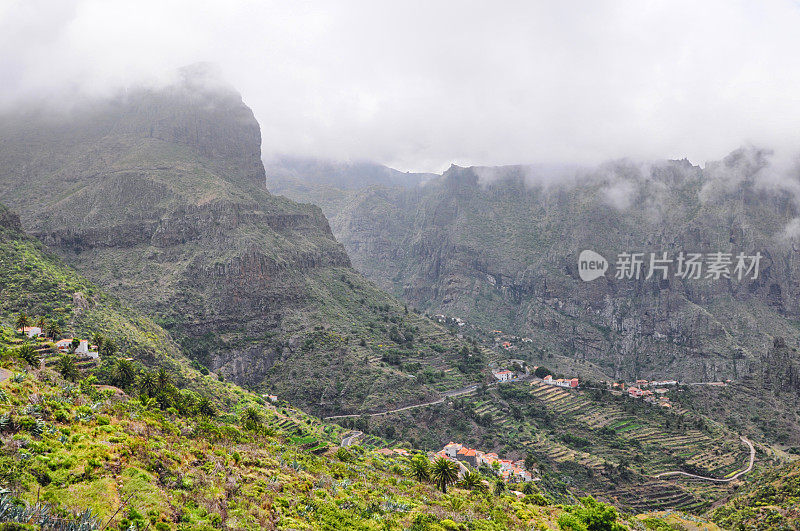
{"x":80,"y":348}
{"x":466,"y":458}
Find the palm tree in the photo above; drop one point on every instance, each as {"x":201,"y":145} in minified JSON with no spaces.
{"x":53,"y":330}
{"x":29,"y":355}
{"x":472,"y":481}
{"x":164,"y":379}
{"x":251,"y":419}
{"x":124,"y":373}
{"x":23,"y":322}
{"x":41,"y":322}
{"x":205,"y":407}
{"x":444,"y":472}
{"x":68,"y":368}
{"x":98,"y":341}
{"x":420,"y":468}
{"x":147,"y":384}
{"x":109,"y":347}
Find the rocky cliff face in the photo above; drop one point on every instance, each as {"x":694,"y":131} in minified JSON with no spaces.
{"x":500,"y":246}
{"x":159,"y":196}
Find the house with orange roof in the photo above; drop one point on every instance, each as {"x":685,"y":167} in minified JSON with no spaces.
{"x":451,"y":449}
{"x":504,"y":376}
{"x":468,"y":455}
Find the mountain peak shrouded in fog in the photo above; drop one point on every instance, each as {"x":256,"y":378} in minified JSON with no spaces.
{"x":514,"y":84}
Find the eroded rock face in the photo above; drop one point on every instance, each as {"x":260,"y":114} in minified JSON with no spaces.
{"x":499,"y":247}
{"x":160,"y":196}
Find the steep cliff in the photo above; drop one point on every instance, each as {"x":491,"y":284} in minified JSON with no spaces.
{"x":500,"y":246}
{"x":159,"y":196}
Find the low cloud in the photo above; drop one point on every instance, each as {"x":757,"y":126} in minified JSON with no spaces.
{"x":418,"y":85}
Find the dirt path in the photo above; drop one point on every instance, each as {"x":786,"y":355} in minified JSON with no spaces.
{"x":717,"y":480}
{"x":5,"y":374}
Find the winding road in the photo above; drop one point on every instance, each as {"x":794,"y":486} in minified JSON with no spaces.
{"x":447,"y":394}
{"x":350,"y":437}
{"x":716,"y":480}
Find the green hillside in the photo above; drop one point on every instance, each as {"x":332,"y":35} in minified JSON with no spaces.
{"x":771,"y":501}
{"x":158,"y":196}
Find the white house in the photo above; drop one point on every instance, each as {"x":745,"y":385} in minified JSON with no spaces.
{"x":451,"y":449}
{"x":30,"y":331}
{"x":504,"y":376}
{"x":63,"y":344}
{"x":83,"y":348}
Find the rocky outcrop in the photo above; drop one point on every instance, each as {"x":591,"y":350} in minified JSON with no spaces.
{"x":499,"y":247}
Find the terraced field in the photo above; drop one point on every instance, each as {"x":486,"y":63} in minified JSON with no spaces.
{"x":647,"y":441}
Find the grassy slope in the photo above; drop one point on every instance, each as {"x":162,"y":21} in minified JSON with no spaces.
{"x":771,"y":501}
{"x":180,"y":226}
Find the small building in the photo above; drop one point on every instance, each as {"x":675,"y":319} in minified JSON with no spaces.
{"x":451,"y":449}
{"x":30,"y":331}
{"x":570,"y":383}
{"x":662,"y":383}
{"x":468,"y":455}
{"x":83,"y":348}
{"x":63,"y":345}
{"x":504,"y":376}
{"x":634,"y":392}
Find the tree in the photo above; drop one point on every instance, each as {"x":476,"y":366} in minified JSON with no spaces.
{"x":530,"y":461}
{"x":98,"y":340}
{"x":420,"y":468}
{"x":205,"y":407}
{"x":163,"y":379}
{"x":23,"y":322}
{"x":29,"y":355}
{"x":499,"y":487}
{"x":68,"y":368}
{"x":251,"y":419}
{"x":53,"y":330}
{"x":444,"y":472}
{"x":41,"y":322}
{"x":147,"y":384}
{"x":473,"y":481}
{"x":124,"y":373}
{"x":541,"y":372}
{"x":593,"y":515}
{"x":109,"y":347}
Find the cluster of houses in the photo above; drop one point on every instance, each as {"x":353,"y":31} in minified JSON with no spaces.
{"x":509,"y":471}
{"x":507,"y":342}
{"x":507,"y":375}
{"x":443,"y":319}
{"x":651,"y":392}
{"x":64,"y":345}
{"x":569,"y":383}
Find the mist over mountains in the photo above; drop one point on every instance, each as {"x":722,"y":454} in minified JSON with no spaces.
{"x":499,"y":246}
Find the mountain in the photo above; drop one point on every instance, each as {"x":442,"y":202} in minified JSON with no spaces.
{"x":158,"y":195}
{"x":288,"y":170}
{"x":499,"y":247}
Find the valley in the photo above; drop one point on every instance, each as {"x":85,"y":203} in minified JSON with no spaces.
{"x":240,"y":326}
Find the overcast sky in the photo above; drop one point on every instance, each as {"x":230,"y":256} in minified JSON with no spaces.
{"x":418,"y":85}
